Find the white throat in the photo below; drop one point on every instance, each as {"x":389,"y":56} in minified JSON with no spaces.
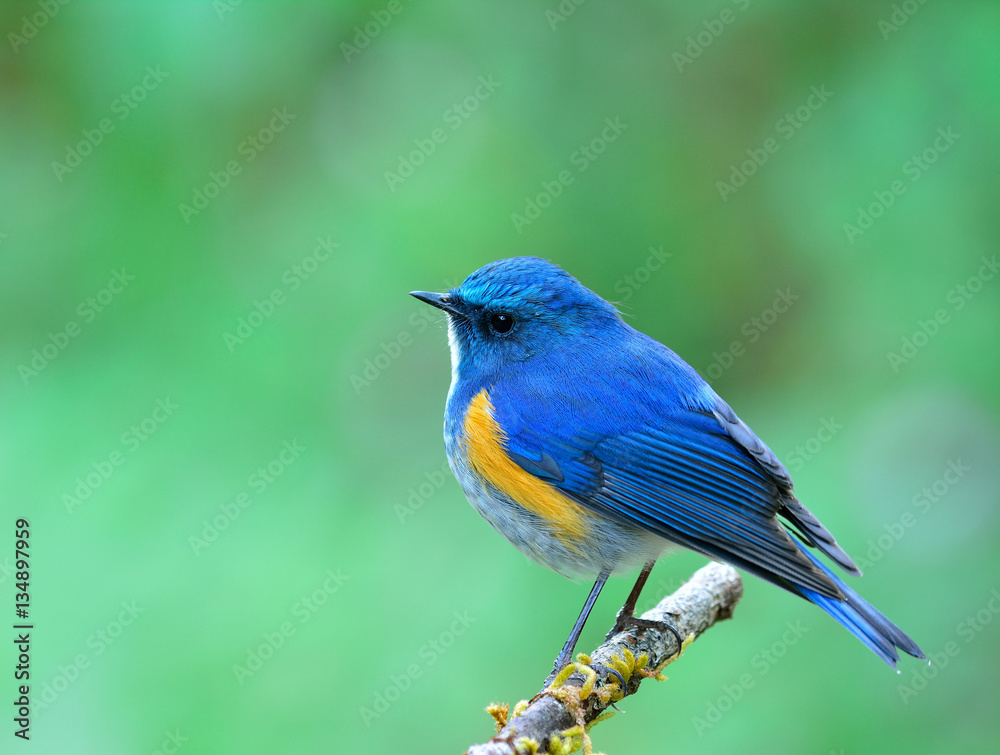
{"x":456,"y":355}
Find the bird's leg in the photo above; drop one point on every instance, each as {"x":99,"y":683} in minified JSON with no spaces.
{"x":626,"y":616}
{"x":627,"y":611}
{"x":566,"y":654}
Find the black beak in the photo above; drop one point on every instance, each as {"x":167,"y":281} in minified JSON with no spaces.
{"x":441,"y":301}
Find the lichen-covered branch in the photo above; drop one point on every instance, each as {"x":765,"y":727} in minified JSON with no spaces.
{"x":557,"y":720}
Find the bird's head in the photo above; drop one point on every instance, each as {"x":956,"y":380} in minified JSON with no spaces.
{"x":513,"y":309}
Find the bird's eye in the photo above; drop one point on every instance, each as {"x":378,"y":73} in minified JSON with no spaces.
{"x":501,"y":323}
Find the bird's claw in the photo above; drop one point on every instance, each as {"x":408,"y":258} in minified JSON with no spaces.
{"x":603,"y":670}
{"x":591,"y":673}
{"x":623,"y":622}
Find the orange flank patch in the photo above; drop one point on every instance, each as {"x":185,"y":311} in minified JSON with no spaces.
{"x":484,"y":439}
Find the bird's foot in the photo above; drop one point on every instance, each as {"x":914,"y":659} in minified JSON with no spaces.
{"x":623,"y":621}
{"x":612,"y":682}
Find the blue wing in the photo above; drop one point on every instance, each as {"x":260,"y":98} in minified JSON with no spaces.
{"x":653,"y":446}
{"x":685,"y":479}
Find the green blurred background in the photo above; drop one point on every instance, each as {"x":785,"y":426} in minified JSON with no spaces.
{"x":349,"y":599}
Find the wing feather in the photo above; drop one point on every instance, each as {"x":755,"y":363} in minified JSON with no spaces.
{"x":688,"y":481}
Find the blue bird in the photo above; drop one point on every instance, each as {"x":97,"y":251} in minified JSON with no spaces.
{"x":592,"y":447}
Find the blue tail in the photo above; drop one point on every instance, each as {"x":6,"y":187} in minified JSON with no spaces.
{"x":860,"y":618}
